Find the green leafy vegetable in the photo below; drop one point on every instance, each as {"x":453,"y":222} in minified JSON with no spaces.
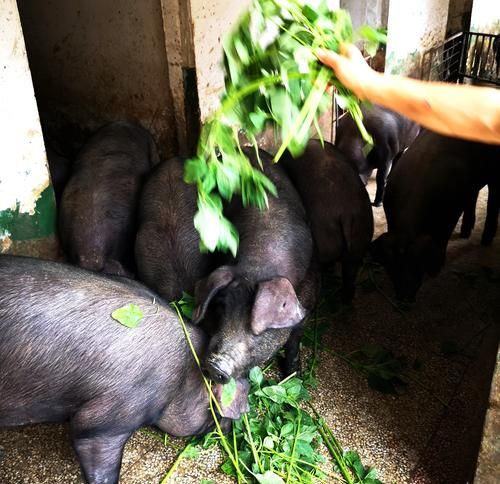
{"x":228,"y":393}
{"x":272,"y":77}
{"x":185,"y":305}
{"x":277,"y":437}
{"x":130,"y":315}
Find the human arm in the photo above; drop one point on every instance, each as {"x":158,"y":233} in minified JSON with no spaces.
{"x":457,"y":110}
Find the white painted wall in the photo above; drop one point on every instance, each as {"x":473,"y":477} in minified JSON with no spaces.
{"x":486,"y":16}
{"x":212,"y":19}
{"x":413,"y":27}
{"x":23,"y":168}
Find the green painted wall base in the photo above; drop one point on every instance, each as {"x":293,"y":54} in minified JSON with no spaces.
{"x":24,"y":226}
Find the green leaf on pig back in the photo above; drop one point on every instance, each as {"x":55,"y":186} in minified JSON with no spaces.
{"x":228,"y":393}
{"x":130,"y":315}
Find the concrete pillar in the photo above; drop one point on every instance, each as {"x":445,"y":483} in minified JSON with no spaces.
{"x":459,"y":16}
{"x":367,"y":12}
{"x":212,"y":20}
{"x":413,"y":28}
{"x":27,"y":204}
{"x":178,"y":28}
{"x":485,"y":16}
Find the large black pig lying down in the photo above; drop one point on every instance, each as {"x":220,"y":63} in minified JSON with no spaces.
{"x":98,"y":211}
{"x":430,"y":187}
{"x":62,"y":357}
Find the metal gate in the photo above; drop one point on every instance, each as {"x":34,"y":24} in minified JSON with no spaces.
{"x":467,"y":55}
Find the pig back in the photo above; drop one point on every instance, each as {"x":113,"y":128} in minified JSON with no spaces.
{"x":61,"y":348}
{"x":427,"y":190}
{"x":98,"y":209}
{"x":336,"y":202}
{"x":167,"y":252}
{"x":276,"y":241}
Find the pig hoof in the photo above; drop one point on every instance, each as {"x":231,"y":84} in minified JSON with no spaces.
{"x":289,"y":367}
{"x":485,"y":241}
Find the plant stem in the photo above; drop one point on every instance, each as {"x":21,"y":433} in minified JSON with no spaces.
{"x":212,"y":400}
{"x":308,"y":110}
{"x":294,"y":447}
{"x":338,"y":458}
{"x":175,"y":464}
{"x":252,"y":445}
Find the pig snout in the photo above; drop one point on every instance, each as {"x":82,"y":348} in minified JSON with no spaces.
{"x":218,"y":368}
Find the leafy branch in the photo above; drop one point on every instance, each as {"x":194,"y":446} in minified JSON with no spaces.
{"x":272,"y":77}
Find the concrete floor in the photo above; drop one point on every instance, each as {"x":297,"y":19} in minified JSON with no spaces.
{"x":411,"y":437}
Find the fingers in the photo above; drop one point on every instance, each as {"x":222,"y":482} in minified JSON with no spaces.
{"x":328,"y":57}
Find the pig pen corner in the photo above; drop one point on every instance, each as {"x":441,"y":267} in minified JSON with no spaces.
{"x":433,"y":418}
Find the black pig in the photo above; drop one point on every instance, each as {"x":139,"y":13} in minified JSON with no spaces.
{"x":337,"y":206}
{"x":62,"y":357}
{"x":392,"y":133}
{"x":167,"y":252}
{"x":427,"y":191}
{"x":255,"y":304}
{"x":97,"y":218}
{"x":492,"y":212}
{"x":60,"y":169}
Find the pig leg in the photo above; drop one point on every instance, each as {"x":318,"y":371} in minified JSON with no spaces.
{"x":469,"y":218}
{"x":350,"y":269}
{"x":382,"y":174}
{"x":492,"y":212}
{"x":291,"y":360}
{"x":98,"y":438}
{"x":100,"y":457}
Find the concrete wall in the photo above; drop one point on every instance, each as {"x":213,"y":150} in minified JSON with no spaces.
{"x":27,"y":206}
{"x":212,"y":20}
{"x":486,"y":16}
{"x":367,"y":12}
{"x":413,"y":28}
{"x":101,"y":60}
{"x":459,"y":15}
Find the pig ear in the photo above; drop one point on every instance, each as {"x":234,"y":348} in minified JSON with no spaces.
{"x":276,"y":306}
{"x":207,"y":288}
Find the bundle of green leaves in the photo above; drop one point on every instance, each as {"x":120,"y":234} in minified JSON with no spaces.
{"x":272,"y":76}
{"x":277,"y":440}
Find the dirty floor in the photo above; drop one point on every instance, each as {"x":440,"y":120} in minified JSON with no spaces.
{"x":427,"y":433}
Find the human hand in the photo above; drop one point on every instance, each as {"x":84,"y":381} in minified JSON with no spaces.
{"x":350,"y":68}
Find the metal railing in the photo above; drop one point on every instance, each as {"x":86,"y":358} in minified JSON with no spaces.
{"x":467,"y":55}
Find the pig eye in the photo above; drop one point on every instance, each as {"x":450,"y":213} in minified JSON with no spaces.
{"x":283,"y":305}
